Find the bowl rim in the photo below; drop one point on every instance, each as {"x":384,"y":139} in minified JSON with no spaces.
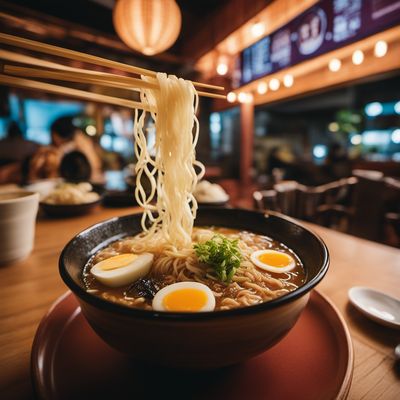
{"x":90,"y":203}
{"x":112,"y":307}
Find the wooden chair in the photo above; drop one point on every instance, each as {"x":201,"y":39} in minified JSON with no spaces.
{"x":324,"y":204}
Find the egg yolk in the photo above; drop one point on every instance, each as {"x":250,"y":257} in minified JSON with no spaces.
{"x":185,"y":300}
{"x":115,"y":262}
{"x":278,"y":260}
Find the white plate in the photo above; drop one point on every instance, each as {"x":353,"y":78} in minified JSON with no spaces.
{"x":376,"y":305}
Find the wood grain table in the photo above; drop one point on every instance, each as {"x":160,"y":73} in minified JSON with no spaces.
{"x":28,"y":287}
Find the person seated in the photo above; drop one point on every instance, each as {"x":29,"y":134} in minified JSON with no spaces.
{"x":15,"y":148}
{"x":65,"y":139}
{"x":75,"y":167}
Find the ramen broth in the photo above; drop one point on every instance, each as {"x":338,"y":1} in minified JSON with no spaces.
{"x":250,"y":285}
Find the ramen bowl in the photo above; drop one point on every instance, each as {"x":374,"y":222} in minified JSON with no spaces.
{"x":195,"y":340}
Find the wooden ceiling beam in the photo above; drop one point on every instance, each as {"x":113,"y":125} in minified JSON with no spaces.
{"x":220,"y":24}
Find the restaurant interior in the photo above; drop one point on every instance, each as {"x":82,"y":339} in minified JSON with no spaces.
{"x":292,"y":115}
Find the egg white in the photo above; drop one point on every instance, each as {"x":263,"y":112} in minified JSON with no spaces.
{"x":121,"y":276}
{"x":158,"y":300}
{"x":277,"y":270}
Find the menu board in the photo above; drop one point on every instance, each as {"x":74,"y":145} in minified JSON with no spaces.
{"x":328,"y":25}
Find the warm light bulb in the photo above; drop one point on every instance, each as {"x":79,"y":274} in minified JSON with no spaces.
{"x":262,"y":88}
{"x":333,"y":126}
{"x":335,"y":64}
{"x":274,"y":84}
{"x":356,"y":140}
{"x":222,"y":69}
{"x":245,"y":97}
{"x":357,"y":57}
{"x":231,"y":97}
{"x":381,"y":48}
{"x":257,"y":29}
{"x":242,"y":97}
{"x":288,"y":80}
{"x":91,"y":130}
{"x":249,"y":98}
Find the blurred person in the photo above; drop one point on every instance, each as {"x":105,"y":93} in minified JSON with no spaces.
{"x":14,"y":151}
{"x":65,"y":138}
{"x":75,"y":167}
{"x":281,"y":164}
{"x":15,"y":148}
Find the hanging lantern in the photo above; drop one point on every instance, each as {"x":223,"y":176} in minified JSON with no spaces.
{"x":148,"y":26}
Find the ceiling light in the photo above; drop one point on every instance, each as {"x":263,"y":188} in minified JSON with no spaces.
{"x":242,"y":97}
{"x":148,"y":26}
{"x":249,"y":98}
{"x":335,"y":64}
{"x":231,"y":97}
{"x":257,"y":29}
{"x":380,"y":48}
{"x":274,"y":84}
{"x":396,"y":136}
{"x":357,"y":57}
{"x":262,"y":88}
{"x":373,"y":109}
{"x":245,"y":97}
{"x":222,"y":69}
{"x":288,"y":80}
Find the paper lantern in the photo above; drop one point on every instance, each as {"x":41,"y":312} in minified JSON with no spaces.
{"x":148,"y":26}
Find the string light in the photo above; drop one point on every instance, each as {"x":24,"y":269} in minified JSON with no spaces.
{"x":357,"y":57}
{"x":262,"y":88}
{"x":245,"y":97}
{"x":381,"y":48}
{"x":231,"y":97}
{"x":335,"y":64}
{"x":288,"y":80}
{"x":274,"y":84}
{"x":242,"y":97}
{"x":222,"y":69}
{"x":257,"y":29}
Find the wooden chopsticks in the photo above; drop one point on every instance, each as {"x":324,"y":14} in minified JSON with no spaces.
{"x":78,"y":56}
{"x":80,"y":77}
{"x":70,"y":92}
{"x":83,"y":76}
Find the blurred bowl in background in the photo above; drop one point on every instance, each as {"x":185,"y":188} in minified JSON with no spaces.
{"x":69,"y":210}
{"x":44,"y":186}
{"x":70,"y":199}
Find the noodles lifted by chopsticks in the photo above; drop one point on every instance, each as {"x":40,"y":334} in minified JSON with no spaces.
{"x":171,"y":173}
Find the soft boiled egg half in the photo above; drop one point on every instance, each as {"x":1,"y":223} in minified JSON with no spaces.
{"x":184,"y":297}
{"x":273,"y":261}
{"x":122,"y":269}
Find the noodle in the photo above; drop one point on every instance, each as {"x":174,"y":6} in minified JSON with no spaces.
{"x":171,"y":174}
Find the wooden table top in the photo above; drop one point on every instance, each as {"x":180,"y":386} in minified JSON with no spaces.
{"x":28,"y":287}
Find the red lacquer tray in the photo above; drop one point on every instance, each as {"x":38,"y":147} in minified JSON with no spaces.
{"x":314,"y":361}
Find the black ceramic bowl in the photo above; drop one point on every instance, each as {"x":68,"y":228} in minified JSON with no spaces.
{"x":196,"y":340}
